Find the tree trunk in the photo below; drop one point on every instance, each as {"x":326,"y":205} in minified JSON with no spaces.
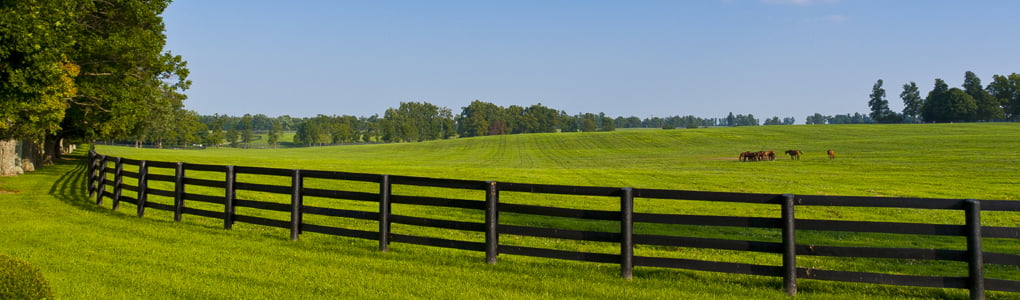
{"x":30,"y":157}
{"x":9,"y":158}
{"x":51,"y":150}
{"x":66,"y":147}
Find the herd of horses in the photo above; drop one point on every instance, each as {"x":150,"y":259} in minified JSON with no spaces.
{"x":771,"y":155}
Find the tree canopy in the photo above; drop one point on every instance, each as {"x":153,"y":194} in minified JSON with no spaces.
{"x":1006,"y":88}
{"x":948,"y":105}
{"x":878,"y":104}
{"x":87,"y":69}
{"x":911,"y":101}
{"x":36,"y":76}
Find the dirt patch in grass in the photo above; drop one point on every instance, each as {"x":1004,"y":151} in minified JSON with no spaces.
{"x":6,"y":191}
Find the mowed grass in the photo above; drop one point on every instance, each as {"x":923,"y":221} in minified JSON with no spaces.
{"x":917,"y":160}
{"x":93,"y":252}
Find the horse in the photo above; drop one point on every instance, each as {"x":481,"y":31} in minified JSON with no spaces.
{"x":832,"y":154}
{"x":746,"y":156}
{"x":770,"y":155}
{"x":794,"y":154}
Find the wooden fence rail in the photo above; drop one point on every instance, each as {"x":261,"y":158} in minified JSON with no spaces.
{"x":101,"y":186}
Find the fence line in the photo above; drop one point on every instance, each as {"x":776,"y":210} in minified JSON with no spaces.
{"x":787,"y":247}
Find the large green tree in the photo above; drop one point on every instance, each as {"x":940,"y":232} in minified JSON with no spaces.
{"x":126,"y":76}
{"x":1006,"y":88}
{"x":948,"y":105}
{"x":988,"y":107}
{"x":273,"y":137}
{"x":36,"y":77}
{"x":416,"y":122}
{"x":85,"y":69}
{"x":480,"y":118}
{"x":878,"y":104}
{"x":912,"y":101}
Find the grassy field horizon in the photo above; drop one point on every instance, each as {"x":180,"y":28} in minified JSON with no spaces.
{"x":90,"y":251}
{"x":903,"y":160}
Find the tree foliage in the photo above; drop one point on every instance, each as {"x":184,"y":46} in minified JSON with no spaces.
{"x":89,"y":69}
{"x":948,"y":105}
{"x":126,"y":77}
{"x":1005,"y":90}
{"x":912,"y":101}
{"x":36,"y":77}
{"x":855,"y":118}
{"x":416,"y":122}
{"x":988,"y":107}
{"x":878,"y":104}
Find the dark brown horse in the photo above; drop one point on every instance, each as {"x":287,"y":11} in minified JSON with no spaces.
{"x":746,"y":156}
{"x":832,"y":154}
{"x":794,"y":154}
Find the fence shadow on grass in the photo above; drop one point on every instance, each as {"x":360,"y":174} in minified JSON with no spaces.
{"x":70,"y":186}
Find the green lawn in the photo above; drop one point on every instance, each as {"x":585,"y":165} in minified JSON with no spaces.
{"x":92,"y":252}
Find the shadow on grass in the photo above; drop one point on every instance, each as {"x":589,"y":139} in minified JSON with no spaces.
{"x":70,"y":186}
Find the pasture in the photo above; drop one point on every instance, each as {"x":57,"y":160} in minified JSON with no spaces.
{"x":154,"y":256}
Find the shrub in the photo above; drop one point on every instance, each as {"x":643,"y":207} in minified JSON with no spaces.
{"x":20,"y":280}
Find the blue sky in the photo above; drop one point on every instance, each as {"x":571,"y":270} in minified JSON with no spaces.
{"x":786,"y":58}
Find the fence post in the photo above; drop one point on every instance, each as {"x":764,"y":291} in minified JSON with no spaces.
{"x":228,"y":198}
{"x":178,"y":191}
{"x":143,"y":187}
{"x":384,"y":213}
{"x":118,"y":180}
{"x":491,"y":222}
{"x":974,"y":250}
{"x":627,"y":233}
{"x":101,"y":185}
{"x":91,"y":176}
{"x":295,"y":206}
{"x":789,"y":247}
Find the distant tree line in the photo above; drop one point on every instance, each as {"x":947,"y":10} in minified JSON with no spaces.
{"x":415,"y":122}
{"x":423,"y":121}
{"x":856,"y":118}
{"x":691,"y":121}
{"x":998,"y":101}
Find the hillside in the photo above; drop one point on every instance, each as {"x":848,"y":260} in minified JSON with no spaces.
{"x":917,"y":160}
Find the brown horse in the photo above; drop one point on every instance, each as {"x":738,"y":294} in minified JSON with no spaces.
{"x":794,"y":154}
{"x":832,"y":154}
{"x":770,"y":155}
{"x":746,"y":156}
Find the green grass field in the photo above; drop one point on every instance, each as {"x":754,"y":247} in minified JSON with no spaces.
{"x":92,"y":252}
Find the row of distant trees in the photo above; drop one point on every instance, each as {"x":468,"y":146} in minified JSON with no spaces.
{"x":420,"y":121}
{"x":999,"y":100}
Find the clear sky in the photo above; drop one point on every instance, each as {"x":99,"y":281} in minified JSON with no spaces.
{"x":786,"y":58}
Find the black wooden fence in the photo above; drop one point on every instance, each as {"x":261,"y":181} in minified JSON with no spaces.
{"x":102,"y":187}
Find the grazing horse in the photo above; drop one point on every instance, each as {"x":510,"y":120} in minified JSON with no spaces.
{"x":794,"y":154}
{"x":832,"y":154}
{"x":746,"y":156}
{"x":770,"y":155}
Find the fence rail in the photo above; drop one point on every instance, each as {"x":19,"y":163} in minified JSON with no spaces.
{"x":102,"y":186}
